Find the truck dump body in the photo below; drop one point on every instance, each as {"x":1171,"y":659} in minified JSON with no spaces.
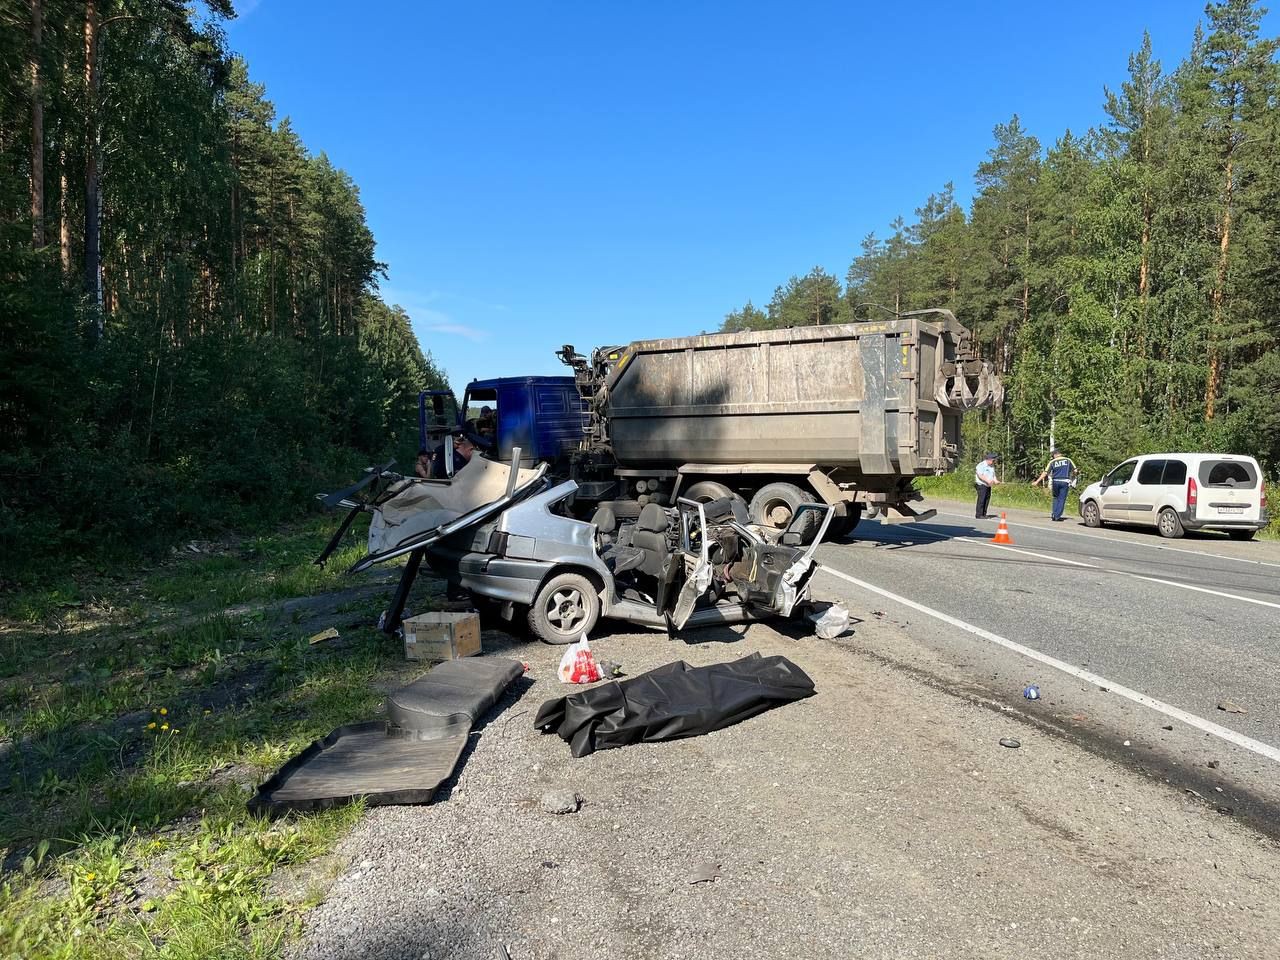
{"x":870,"y":399}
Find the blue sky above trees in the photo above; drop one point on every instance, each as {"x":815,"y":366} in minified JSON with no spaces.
{"x":541,"y":174}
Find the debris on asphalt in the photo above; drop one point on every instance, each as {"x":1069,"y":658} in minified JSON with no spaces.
{"x":578,"y":664}
{"x":561,"y":801}
{"x":829,"y":620}
{"x":706,"y":873}
{"x":1010,"y":742}
{"x":1231,"y":707}
{"x":1213,"y":764}
{"x":609,"y":669}
{"x":323,"y":635}
{"x":402,"y":759}
{"x":1032,"y":692}
{"x":1167,"y":726}
{"x":672,"y":702}
{"x":1128,"y":743}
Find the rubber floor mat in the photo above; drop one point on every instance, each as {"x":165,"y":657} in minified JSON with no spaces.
{"x":399,"y":762}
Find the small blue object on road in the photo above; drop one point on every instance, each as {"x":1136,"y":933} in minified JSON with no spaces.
{"x":1032,"y":692}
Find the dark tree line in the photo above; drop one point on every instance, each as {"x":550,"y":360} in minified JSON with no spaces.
{"x":1125,"y":281}
{"x":190,"y":332}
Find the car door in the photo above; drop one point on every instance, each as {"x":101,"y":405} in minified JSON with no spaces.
{"x":695,"y":556}
{"x":1145,"y":491}
{"x":1113,"y":502}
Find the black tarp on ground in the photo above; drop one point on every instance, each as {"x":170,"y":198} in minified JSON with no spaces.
{"x":671,"y":702}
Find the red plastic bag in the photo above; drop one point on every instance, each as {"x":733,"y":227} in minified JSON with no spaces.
{"x":578,"y":664}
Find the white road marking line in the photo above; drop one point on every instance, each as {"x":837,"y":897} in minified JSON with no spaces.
{"x":1029,"y":553}
{"x":1216,"y":593}
{"x":1125,"y":573}
{"x":1199,"y":723}
{"x":1133,"y":543}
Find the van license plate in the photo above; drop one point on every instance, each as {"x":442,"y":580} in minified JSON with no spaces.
{"x":1231,"y":509}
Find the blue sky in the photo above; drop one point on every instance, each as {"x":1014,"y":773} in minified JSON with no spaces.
{"x":589,"y":173}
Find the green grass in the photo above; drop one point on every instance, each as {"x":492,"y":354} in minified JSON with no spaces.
{"x":959,"y":486}
{"x":123,"y":825}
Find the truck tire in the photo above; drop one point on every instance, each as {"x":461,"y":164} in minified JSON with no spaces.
{"x":567,"y":606}
{"x":842,"y":527}
{"x":774,"y":504}
{"x":1168,"y":524}
{"x":704,"y":491}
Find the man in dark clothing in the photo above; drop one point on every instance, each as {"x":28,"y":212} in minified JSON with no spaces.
{"x":984,"y":478}
{"x":1059,"y":475}
{"x":463,"y":448}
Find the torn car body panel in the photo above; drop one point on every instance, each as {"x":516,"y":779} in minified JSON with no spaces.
{"x":691,"y":565}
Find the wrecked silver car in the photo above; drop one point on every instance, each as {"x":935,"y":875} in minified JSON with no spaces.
{"x":509,"y":536}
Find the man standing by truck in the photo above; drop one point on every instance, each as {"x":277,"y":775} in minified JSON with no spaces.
{"x":1059,"y":475}
{"x":984,"y":478}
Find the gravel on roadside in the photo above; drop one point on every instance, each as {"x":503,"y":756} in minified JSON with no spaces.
{"x":880,"y":817}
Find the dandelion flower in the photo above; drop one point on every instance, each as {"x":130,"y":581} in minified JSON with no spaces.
{"x":164,"y":726}
{"x":207,"y":712}
{"x":176,"y":730}
{"x":151,"y":725}
{"x":90,"y":876}
{"x":164,"y":712}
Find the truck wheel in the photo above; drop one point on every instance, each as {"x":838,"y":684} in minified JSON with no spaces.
{"x":567,"y":606}
{"x":775,"y":504}
{"x":704,"y":491}
{"x":1092,"y":518}
{"x":1169,"y":524}
{"x":842,"y":527}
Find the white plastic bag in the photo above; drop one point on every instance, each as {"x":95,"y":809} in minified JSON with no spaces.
{"x":578,"y":664}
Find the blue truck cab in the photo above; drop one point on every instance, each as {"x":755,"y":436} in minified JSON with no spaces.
{"x":543,"y":416}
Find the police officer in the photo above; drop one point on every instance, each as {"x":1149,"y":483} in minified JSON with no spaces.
{"x":984,"y":478}
{"x":1060,"y":476}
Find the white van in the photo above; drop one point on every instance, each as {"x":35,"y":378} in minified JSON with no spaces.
{"x":1176,"y":492}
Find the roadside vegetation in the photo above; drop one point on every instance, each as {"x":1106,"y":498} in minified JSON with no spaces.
{"x":136,"y":717}
{"x":1120,"y":278}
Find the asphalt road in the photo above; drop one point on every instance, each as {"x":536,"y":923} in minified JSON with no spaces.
{"x":1192,"y":623}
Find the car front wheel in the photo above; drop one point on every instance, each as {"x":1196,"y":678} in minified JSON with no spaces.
{"x":1092,"y":517}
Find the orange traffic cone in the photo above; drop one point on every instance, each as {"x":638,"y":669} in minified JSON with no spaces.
{"x":1002,"y":531}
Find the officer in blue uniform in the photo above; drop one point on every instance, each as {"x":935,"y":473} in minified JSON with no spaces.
{"x":1060,"y":476}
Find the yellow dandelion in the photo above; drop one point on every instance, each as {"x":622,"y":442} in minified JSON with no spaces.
{"x":207,"y":712}
{"x":176,"y":730}
{"x":164,"y":726}
{"x":164,"y":712}
{"x":90,"y":876}
{"x":151,"y":725}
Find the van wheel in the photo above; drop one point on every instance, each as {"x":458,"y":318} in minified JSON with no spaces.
{"x":567,"y":606}
{"x":775,"y":504}
{"x":1241,"y":534}
{"x":1169,"y":524}
{"x":1092,"y":518}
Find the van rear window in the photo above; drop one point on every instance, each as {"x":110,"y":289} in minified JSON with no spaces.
{"x":1228,"y":473}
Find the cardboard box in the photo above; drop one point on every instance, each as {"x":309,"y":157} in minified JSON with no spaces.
{"x":441,"y":636}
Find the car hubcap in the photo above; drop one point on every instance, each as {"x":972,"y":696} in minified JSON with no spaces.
{"x":566,"y":609}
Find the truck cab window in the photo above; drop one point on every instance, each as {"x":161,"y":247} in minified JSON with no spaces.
{"x":482,"y":416}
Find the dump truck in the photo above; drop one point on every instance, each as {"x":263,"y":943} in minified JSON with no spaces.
{"x":846,"y":414}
